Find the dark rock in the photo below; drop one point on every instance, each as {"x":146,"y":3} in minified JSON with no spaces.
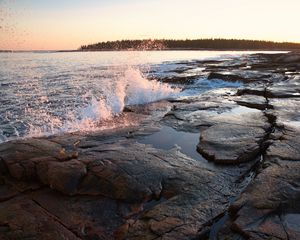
{"x":107,"y":185}
{"x":255,"y":90}
{"x":65,"y":176}
{"x":20,"y":156}
{"x":269,"y":208}
{"x":21,"y":218}
{"x":266,"y":208}
{"x":178,"y":79}
{"x":89,"y":217}
{"x":226,"y":77}
{"x":253,"y":101}
{"x":111,"y":182}
{"x":288,"y":58}
{"x":287,"y":147}
{"x":230,"y":143}
{"x":7,"y":190}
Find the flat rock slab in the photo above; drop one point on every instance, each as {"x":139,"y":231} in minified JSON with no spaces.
{"x":21,"y":218}
{"x":252,"y":101}
{"x":231,"y":143}
{"x":287,"y":147}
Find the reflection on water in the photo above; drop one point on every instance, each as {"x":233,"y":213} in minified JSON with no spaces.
{"x":167,"y":138}
{"x":240,"y":110}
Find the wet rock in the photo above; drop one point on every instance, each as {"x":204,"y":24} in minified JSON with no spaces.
{"x":229,"y":143}
{"x":252,"y":101}
{"x":252,"y":90}
{"x":287,"y":147}
{"x":226,"y":77}
{"x":120,"y":189}
{"x":288,"y":89}
{"x":89,"y":217}
{"x":178,"y":79}
{"x":269,"y":208}
{"x":108,"y":185}
{"x":289,"y":58}
{"x":21,"y":218}
{"x":244,"y":75}
{"x":20,"y":156}
{"x":286,"y":111}
{"x":277,"y":62}
{"x":263,"y":211}
{"x":65,"y":176}
{"x":7,"y":190}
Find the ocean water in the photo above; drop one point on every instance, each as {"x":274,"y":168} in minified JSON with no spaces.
{"x":52,"y":92}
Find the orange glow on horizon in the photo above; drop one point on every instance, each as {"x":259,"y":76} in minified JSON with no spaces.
{"x":36,"y":26}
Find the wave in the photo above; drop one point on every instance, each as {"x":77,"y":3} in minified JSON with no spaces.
{"x":100,"y":110}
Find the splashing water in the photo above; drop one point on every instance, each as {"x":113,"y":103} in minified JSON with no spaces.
{"x":48,"y":93}
{"x":130,"y":89}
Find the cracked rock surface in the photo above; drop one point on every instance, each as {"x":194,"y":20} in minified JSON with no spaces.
{"x":113,"y":185}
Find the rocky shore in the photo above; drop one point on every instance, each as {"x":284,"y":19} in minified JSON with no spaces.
{"x":117,"y":184}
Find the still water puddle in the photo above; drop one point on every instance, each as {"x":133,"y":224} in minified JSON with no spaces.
{"x":168,"y":138}
{"x":240,"y":110}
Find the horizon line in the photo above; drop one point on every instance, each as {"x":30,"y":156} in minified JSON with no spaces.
{"x":147,"y":39}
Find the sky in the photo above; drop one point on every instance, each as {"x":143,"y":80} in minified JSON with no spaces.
{"x":68,"y":24}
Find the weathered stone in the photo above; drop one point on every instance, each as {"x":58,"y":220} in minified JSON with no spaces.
{"x":89,"y":217}
{"x":19,"y":156}
{"x":7,"y":191}
{"x":265,"y":209}
{"x":252,"y":101}
{"x":21,"y":218}
{"x":287,"y":111}
{"x":253,"y":90}
{"x":226,"y":77}
{"x":288,"y":58}
{"x":286,"y":148}
{"x":108,"y":185}
{"x":269,"y":208}
{"x":229,"y":143}
{"x":128,"y":174}
{"x":66,"y":176}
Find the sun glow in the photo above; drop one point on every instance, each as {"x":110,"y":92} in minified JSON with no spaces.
{"x":32,"y":24}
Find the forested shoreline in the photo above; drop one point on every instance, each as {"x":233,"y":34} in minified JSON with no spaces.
{"x":197,"y":44}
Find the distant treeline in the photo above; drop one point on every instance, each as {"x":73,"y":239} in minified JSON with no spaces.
{"x":213,"y":44}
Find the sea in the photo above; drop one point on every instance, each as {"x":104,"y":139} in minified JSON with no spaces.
{"x":45,"y":93}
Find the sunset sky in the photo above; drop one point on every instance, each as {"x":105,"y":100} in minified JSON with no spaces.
{"x":67,"y":24}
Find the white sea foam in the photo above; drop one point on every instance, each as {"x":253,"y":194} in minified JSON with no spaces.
{"x":43,"y":94}
{"x":131,"y":88}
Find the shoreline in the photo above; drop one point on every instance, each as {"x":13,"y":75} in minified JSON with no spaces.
{"x":152,"y":50}
{"x":135,"y":183}
{"x":182,"y":49}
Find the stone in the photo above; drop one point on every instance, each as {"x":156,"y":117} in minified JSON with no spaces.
{"x":66,"y":176}
{"x":109,"y":185}
{"x":21,"y":218}
{"x":253,"y":101}
{"x":229,"y":143}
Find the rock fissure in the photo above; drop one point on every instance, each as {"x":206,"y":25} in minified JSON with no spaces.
{"x":55,"y":218}
{"x":252,"y":172}
{"x":107,"y":185}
